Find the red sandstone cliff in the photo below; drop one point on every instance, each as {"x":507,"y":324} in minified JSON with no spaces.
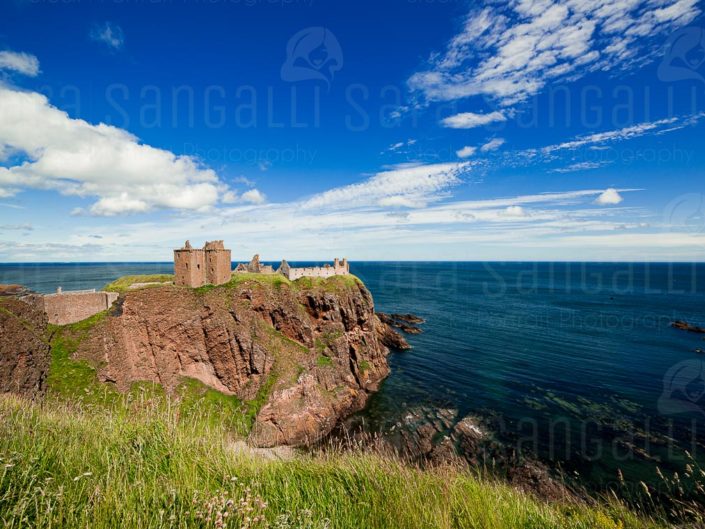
{"x":24,"y":349}
{"x":312,"y":354}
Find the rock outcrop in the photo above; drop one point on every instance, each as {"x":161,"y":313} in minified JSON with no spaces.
{"x":24,"y":349}
{"x":406,"y":322}
{"x":308,"y":355}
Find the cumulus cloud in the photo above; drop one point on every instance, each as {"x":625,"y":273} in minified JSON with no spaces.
{"x":609,"y":197}
{"x":74,"y":157}
{"x":514,"y":211}
{"x":469,"y":120}
{"x":510,"y":52}
{"x":109,"y":34}
{"x":23,"y":63}
{"x":415,"y":184}
{"x":492,"y":145}
{"x":466,"y":151}
{"x":254,"y":196}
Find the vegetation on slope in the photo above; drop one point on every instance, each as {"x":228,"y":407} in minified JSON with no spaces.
{"x":139,"y":465}
{"x":90,"y":456}
{"x":330,"y":284}
{"x":124,"y":283}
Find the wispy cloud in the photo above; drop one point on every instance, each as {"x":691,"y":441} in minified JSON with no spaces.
{"x":580,"y":166}
{"x":406,"y":185}
{"x":401,"y":144}
{"x":23,"y":63}
{"x":601,"y":138}
{"x":109,"y":34}
{"x":510,"y":52}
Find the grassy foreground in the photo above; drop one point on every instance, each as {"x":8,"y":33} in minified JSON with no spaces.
{"x":142,"y":464}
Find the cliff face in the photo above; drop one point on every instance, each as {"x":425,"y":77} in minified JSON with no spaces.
{"x":24,"y":349}
{"x":309,"y":355}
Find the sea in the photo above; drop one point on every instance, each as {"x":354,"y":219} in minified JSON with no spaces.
{"x":575,"y":364}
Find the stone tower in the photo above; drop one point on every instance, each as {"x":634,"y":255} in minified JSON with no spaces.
{"x":218,"y":263}
{"x":195,"y":267}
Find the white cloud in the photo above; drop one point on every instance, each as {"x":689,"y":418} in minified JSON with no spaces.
{"x":23,"y":63}
{"x":511,"y":52}
{"x":77,"y":158}
{"x":609,"y":197}
{"x":624,"y":133}
{"x":229,"y":197}
{"x":254,"y":196}
{"x":466,"y":151}
{"x":109,"y":34}
{"x":580,"y":166}
{"x":398,"y":145}
{"x":469,"y":120}
{"x":417,"y":184}
{"x":492,"y":145}
{"x":514,"y":211}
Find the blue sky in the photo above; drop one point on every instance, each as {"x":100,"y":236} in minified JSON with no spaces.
{"x":423,"y":130}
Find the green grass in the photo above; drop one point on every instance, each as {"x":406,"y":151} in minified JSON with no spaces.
{"x":324,"y":361}
{"x":72,"y":466}
{"x":75,"y":381}
{"x":277,"y":280}
{"x":123,"y":284}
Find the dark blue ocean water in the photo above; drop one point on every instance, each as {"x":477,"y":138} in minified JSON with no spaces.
{"x":573,"y":362}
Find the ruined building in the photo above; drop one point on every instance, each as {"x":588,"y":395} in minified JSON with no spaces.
{"x":195,"y":267}
{"x":339,"y":268}
{"x":255,"y":267}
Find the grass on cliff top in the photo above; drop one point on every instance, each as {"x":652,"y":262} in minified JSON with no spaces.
{"x":72,"y":466}
{"x":277,"y":281}
{"x":122,"y":284}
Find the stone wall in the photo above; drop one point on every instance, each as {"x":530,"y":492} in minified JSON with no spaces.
{"x":63,"y":308}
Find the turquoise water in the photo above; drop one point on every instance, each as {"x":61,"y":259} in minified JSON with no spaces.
{"x":573,"y":362}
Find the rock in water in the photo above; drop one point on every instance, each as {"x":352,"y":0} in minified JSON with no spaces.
{"x":391,"y":338}
{"x":406,"y":322}
{"x":685,"y":326}
{"x":24,"y":350}
{"x":309,"y":355}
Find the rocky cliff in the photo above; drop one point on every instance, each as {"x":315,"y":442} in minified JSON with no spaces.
{"x":309,"y":352}
{"x":24,"y":349}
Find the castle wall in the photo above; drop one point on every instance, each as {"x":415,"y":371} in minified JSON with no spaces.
{"x":189,"y":267}
{"x":70,"y":307}
{"x":218,"y":266}
{"x":339,"y":268}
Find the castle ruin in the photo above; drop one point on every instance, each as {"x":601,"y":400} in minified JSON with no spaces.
{"x":195,"y":267}
{"x":339,"y":268}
